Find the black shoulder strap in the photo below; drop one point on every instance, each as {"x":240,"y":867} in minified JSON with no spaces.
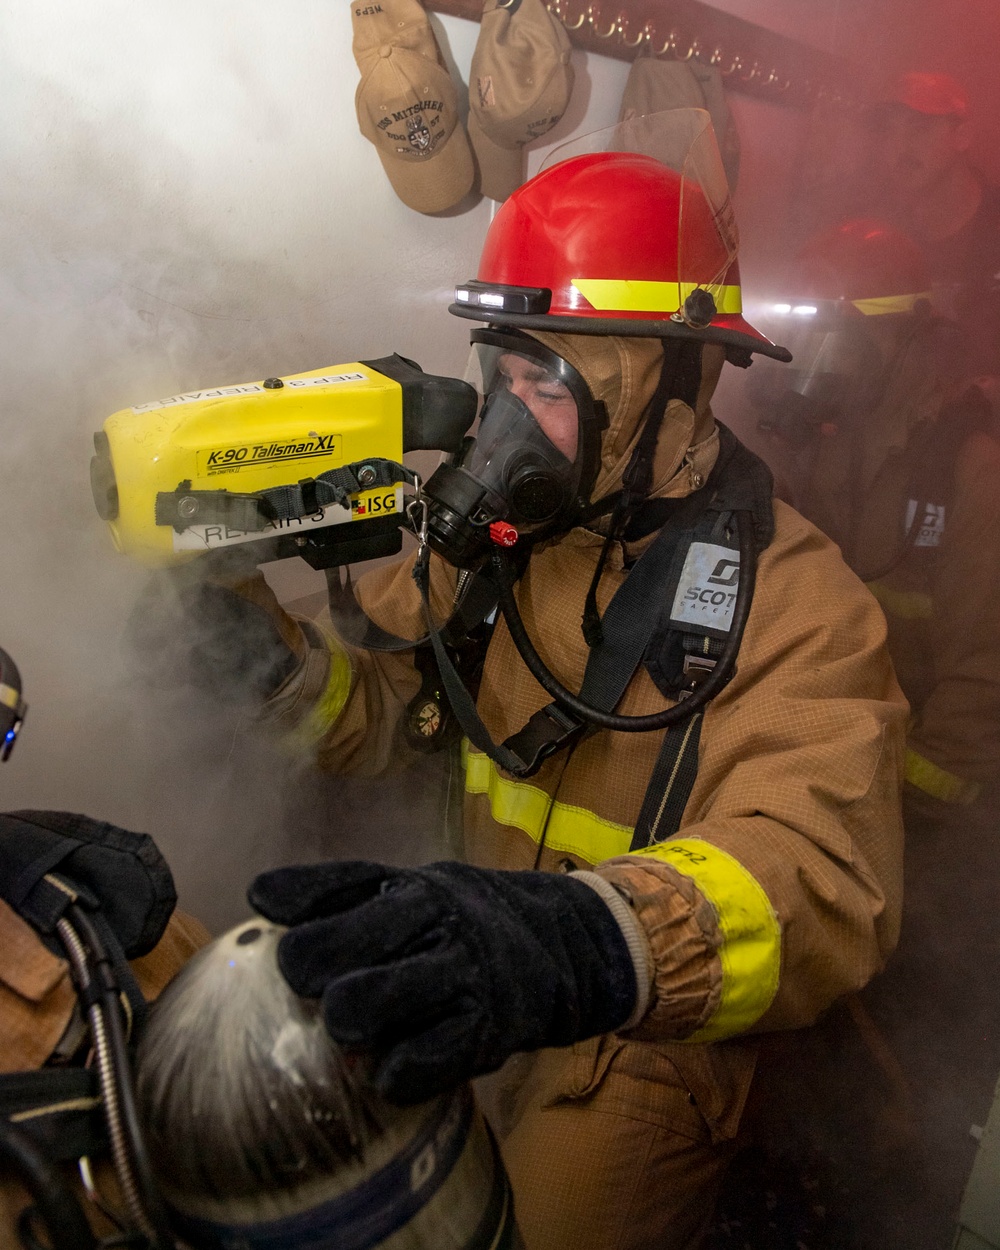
{"x":670,"y":785}
{"x":933,"y":479}
{"x":628,"y":624}
{"x":683,"y":653}
{"x":476,"y":602}
{"x":931,"y":486}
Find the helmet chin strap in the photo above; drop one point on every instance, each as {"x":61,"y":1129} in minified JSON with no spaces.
{"x":680,"y":378}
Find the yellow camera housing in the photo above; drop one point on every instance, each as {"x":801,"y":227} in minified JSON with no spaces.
{"x":256,"y":436}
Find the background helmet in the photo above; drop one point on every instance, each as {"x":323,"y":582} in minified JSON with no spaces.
{"x":858,"y":318}
{"x":618,"y":243}
{"x":865,"y":264}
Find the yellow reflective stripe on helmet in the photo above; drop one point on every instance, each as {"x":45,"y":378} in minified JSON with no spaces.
{"x":938,"y":782}
{"x":9,"y":697}
{"x":625,"y":295}
{"x":574,"y":830}
{"x":883,"y":304}
{"x":751,"y":932}
{"x":331,"y":701}
{"x":908,"y":605}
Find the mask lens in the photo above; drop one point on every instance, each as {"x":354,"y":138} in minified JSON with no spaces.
{"x":548,"y":399}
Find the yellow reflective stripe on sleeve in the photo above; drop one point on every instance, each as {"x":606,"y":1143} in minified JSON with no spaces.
{"x":908,"y":605}
{"x":751,"y":948}
{"x":573,"y":830}
{"x":751,"y":932}
{"x":625,"y":295}
{"x":331,"y":701}
{"x":938,"y":782}
{"x":883,"y":304}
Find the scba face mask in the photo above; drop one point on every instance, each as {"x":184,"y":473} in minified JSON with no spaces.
{"x":534,"y":458}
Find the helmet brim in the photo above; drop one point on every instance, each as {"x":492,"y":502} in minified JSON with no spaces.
{"x":730,"y":330}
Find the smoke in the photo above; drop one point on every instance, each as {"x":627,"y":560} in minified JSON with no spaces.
{"x":188,"y":203}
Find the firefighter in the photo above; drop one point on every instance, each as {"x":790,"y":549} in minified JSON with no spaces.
{"x":898,"y":466}
{"x":923,"y":180}
{"x":44,"y":1035}
{"x":637,"y":908}
{"x":51,"y":862}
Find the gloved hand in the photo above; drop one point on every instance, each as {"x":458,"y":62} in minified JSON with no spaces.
{"x":216,"y":625}
{"x":121,"y":872}
{"x":443,"y":972}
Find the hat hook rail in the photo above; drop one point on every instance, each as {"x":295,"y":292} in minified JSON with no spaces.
{"x":621,"y":28}
{"x":593,"y":17}
{"x":750,"y":58}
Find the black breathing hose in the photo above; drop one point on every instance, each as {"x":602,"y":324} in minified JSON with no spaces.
{"x":656,"y":720}
{"x":54,"y":1201}
{"x":141,"y":1192}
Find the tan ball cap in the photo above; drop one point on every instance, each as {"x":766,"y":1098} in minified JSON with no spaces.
{"x":407,"y":105}
{"x":519,"y":86}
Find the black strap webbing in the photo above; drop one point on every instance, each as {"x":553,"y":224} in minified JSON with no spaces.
{"x":477,"y":602}
{"x":336,"y":486}
{"x":670,"y":785}
{"x":59,"y":1108}
{"x":629,"y":623}
{"x":251,"y":513}
{"x":631,"y":619}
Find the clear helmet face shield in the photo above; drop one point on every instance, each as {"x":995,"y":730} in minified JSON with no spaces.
{"x":832,"y":380}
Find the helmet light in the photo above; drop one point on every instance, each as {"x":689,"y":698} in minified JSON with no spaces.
{"x":527,"y":300}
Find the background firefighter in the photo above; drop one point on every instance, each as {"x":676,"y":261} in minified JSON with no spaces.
{"x":880,"y":444}
{"x":639,"y":972}
{"x":893,"y":457}
{"x":919,"y":176}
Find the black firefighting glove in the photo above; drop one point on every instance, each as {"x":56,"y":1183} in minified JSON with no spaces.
{"x":114,"y":870}
{"x":212,"y":625}
{"x":441,"y":973}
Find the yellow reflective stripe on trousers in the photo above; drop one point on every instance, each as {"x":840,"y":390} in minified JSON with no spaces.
{"x":331,"y":701}
{"x":627,"y":295}
{"x":908,"y":605}
{"x":751,"y":932}
{"x":938,"y":782}
{"x":751,"y":948}
{"x":574,"y":830}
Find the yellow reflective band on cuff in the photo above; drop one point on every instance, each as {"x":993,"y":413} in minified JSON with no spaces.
{"x":625,"y":295}
{"x":573,"y":830}
{"x":751,"y":932}
{"x":938,"y":782}
{"x":889,"y":304}
{"x":908,"y":605}
{"x":331,"y":701}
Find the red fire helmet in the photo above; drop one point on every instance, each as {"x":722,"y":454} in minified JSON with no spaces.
{"x":614,"y":243}
{"x":865,"y":263}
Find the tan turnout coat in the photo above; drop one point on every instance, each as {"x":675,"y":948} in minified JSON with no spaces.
{"x":779,"y":893}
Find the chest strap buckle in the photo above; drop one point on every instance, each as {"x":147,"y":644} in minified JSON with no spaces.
{"x":696,"y":669}
{"x":549,"y":730}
